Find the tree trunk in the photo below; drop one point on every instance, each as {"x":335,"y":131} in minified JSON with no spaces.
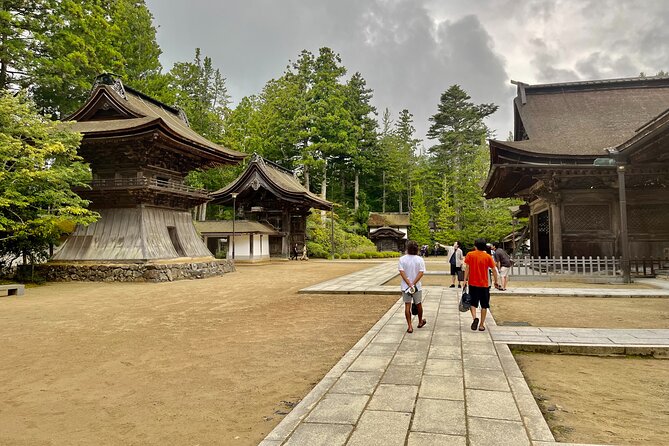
{"x":383,"y":207}
{"x":324,"y":190}
{"x":400,"y":200}
{"x":306,"y":177}
{"x":356,"y":190}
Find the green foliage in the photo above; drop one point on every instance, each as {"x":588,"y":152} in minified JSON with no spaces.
{"x":40,"y":166}
{"x":20,"y":22}
{"x":319,"y":238}
{"x":77,"y":40}
{"x":460,"y":158}
{"x":445,"y":221}
{"x":420,"y":220}
{"x":200,"y":91}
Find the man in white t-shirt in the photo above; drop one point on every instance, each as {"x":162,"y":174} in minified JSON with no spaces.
{"x":412,"y":268}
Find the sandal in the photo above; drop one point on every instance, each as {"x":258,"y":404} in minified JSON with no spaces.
{"x":409,"y":330}
{"x":422,"y":323}
{"x":481,"y":328}
{"x":475,"y":323}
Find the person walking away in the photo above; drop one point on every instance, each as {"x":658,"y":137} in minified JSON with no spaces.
{"x":503,"y":264}
{"x":411,"y":268}
{"x":304,"y":253}
{"x":477,"y":263}
{"x":293,"y":254}
{"x":456,"y":265}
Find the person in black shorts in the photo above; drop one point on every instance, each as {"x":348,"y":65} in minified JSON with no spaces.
{"x":477,"y":263}
{"x":455,"y":261}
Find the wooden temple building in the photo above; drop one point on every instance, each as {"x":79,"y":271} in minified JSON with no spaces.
{"x":591,"y":161}
{"x":389,"y":230}
{"x":267,"y":195}
{"x":139,"y":151}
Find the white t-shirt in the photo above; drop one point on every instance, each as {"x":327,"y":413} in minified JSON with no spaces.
{"x":411,"y":265}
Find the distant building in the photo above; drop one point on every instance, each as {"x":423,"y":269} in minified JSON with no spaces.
{"x":585,"y":154}
{"x":389,"y":230}
{"x":273,"y":196}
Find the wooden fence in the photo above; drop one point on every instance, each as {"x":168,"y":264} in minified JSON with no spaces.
{"x":586,"y":266}
{"x":580,"y":266}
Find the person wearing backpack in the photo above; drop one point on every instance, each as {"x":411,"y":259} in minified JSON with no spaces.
{"x":456,"y":265}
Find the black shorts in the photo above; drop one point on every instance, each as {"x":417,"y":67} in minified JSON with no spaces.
{"x":455,"y":269}
{"x":479,"y":294}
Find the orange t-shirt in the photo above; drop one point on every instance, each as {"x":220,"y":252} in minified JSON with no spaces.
{"x":478,"y":263}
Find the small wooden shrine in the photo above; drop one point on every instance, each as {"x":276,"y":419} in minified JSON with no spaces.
{"x":270,"y":194}
{"x":139,"y":151}
{"x":591,"y":160}
{"x":388,"y":230}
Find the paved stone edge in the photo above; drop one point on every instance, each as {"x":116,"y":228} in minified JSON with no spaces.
{"x":286,"y":427}
{"x":656,"y":351}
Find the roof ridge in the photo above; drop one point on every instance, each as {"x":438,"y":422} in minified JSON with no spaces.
{"x":595,"y":82}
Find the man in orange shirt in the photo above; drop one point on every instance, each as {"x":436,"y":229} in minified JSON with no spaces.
{"x":477,"y":263}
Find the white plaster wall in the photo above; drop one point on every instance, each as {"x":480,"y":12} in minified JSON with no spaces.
{"x":243,"y":247}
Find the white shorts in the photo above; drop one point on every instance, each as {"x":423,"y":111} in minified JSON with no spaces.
{"x":504,"y":271}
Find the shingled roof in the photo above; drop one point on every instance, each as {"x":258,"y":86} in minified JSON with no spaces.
{"x":278,"y":180}
{"x":114,"y":110}
{"x":390,"y":219}
{"x":584,"y":118}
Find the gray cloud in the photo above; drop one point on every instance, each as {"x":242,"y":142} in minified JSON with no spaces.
{"x":410,"y":51}
{"x":406,"y":58}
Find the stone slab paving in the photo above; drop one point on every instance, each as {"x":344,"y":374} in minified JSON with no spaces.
{"x":371,"y":280}
{"x":443,"y":384}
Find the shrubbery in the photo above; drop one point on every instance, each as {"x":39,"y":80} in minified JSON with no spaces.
{"x":348,"y":245}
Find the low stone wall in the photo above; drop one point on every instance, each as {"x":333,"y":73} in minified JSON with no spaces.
{"x":133,"y":272}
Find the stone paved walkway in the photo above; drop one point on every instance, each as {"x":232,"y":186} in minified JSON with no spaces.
{"x":441,"y":385}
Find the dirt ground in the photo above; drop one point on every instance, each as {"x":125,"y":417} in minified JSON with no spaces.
{"x":202,"y":362}
{"x":582,"y":312}
{"x":600,"y":400}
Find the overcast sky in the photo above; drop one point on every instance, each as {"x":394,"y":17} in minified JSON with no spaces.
{"x":411,"y":51}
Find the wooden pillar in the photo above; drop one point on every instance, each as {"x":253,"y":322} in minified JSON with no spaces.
{"x":624,"y":238}
{"x":251,"y":246}
{"x":556,"y":227}
{"x":285,"y":226}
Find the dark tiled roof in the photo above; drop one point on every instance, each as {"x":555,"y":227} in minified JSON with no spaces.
{"x":386,"y":232}
{"x":225,"y":227}
{"x":391,"y":219}
{"x":279,"y":180}
{"x":585,"y":118}
{"x":141,"y":112}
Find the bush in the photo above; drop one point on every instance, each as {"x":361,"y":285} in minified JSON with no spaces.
{"x":27,"y":274}
{"x":317,"y":250}
{"x":344,"y":256}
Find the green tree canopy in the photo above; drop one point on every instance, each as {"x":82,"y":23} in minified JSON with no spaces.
{"x":40,"y":166}
{"x":420,"y":220}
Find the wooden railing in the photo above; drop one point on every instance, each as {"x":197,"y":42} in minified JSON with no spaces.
{"x":581,"y":266}
{"x":120,"y":183}
{"x":586,"y":266}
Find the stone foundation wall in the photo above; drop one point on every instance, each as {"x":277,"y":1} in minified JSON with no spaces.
{"x":132,"y":272}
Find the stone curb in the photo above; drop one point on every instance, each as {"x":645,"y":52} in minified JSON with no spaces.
{"x":656,"y":351}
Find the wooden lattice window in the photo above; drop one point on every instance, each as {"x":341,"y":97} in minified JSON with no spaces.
{"x":648,"y":219}
{"x":587,"y":218}
{"x":543,"y":223}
